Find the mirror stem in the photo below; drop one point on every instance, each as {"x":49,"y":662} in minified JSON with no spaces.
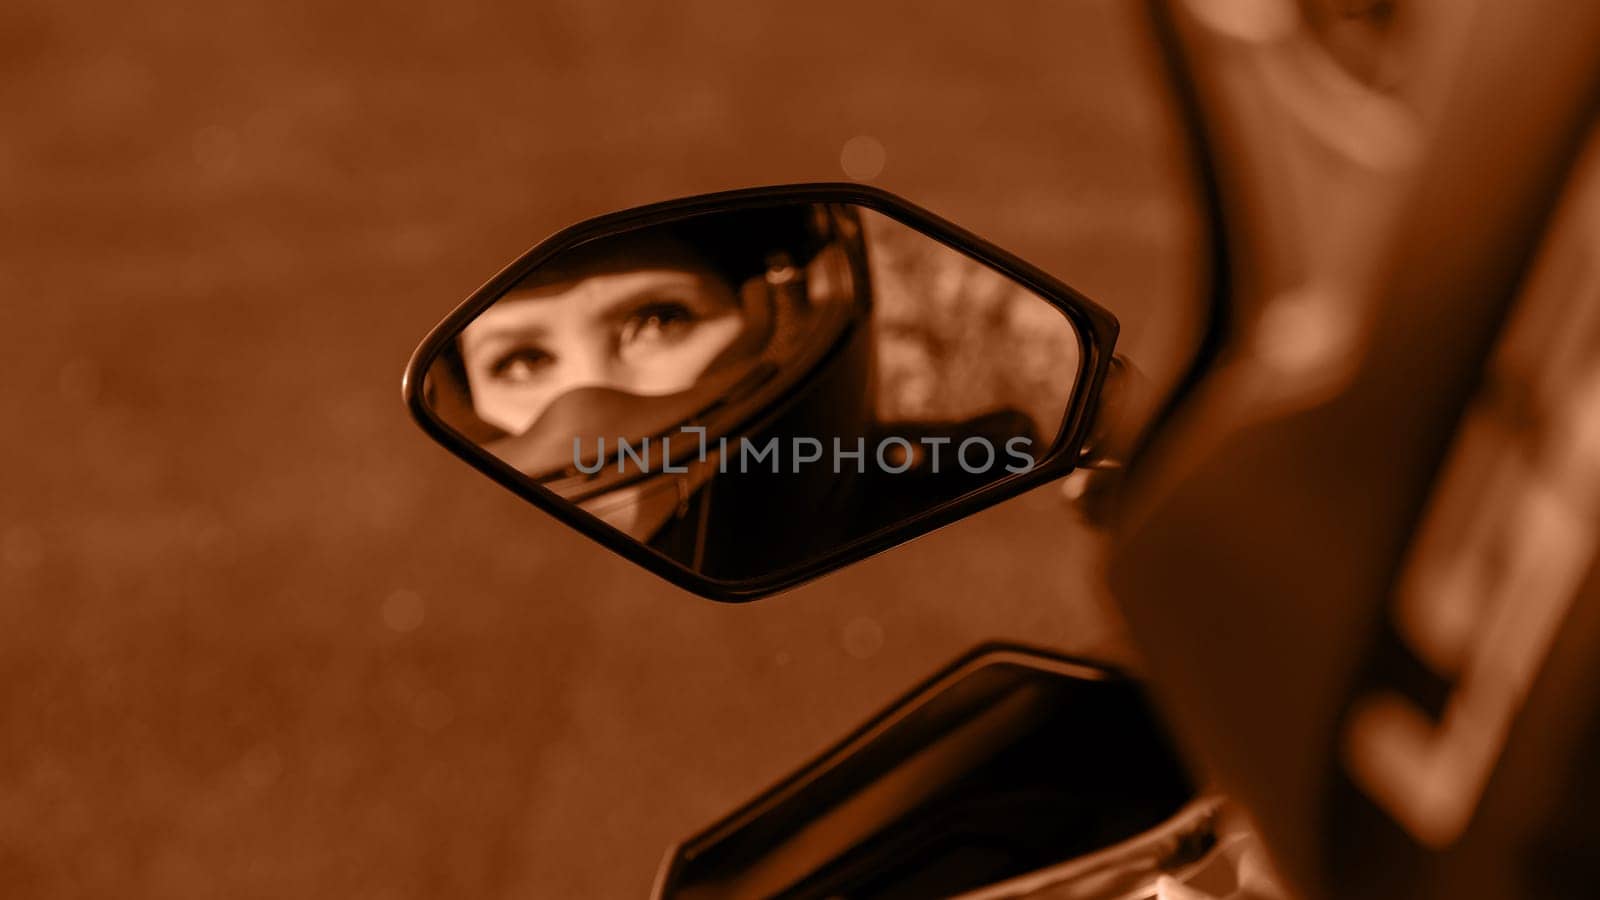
{"x":1091,"y":487}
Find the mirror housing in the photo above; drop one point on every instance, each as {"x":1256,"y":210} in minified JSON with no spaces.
{"x":722,"y":314}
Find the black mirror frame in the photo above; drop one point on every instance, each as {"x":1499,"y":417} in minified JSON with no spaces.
{"x":1096,"y":328}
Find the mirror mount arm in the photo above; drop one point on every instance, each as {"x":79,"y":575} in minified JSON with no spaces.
{"x":1092,"y":486}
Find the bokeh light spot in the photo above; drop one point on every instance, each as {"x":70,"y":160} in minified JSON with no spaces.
{"x":863,"y":638}
{"x":404,"y":610}
{"x":863,"y":157}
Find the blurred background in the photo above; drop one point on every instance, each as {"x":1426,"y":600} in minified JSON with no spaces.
{"x":259,"y":637}
{"x":954,"y":339}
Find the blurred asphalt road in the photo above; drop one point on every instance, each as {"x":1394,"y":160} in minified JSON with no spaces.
{"x":258,"y":636}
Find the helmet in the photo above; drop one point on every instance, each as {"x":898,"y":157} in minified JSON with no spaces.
{"x":793,"y":358}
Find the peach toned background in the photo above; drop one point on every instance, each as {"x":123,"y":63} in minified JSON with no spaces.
{"x":258,"y":636}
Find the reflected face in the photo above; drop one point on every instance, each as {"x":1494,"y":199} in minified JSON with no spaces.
{"x":649,"y":332}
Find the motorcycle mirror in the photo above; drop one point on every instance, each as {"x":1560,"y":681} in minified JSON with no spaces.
{"x":1012,"y":773}
{"x":743,"y":391}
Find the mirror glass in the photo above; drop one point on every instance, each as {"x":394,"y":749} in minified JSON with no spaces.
{"x":746,"y":391}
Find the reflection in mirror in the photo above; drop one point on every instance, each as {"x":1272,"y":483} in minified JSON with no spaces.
{"x":746,"y":391}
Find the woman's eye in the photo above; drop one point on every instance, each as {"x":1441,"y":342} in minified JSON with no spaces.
{"x":657,"y":322}
{"x":521,"y":364}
